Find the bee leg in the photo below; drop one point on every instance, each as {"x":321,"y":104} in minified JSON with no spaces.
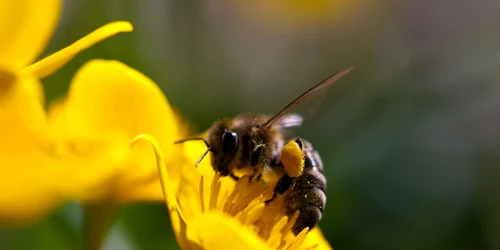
{"x":256,"y":177}
{"x":256,"y":154}
{"x":284,"y":183}
{"x":234,"y":177}
{"x":272,"y":198}
{"x":298,"y":140}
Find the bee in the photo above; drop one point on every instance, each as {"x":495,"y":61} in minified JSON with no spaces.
{"x":252,"y":144}
{"x":302,"y":185}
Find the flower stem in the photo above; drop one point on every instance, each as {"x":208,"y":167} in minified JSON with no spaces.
{"x":97,"y":223}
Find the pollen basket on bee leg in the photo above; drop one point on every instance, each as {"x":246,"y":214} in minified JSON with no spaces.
{"x":292,"y":158}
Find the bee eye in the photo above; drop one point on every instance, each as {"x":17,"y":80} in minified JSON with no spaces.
{"x":229,"y":141}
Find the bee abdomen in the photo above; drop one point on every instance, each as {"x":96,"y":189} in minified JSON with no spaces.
{"x":307,"y":196}
{"x":310,"y":202}
{"x":311,"y":179}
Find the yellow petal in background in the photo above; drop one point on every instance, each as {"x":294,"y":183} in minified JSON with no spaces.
{"x":89,"y":166}
{"x":143,"y":191}
{"x":38,"y":169}
{"x":109,"y":99}
{"x":107,"y":96}
{"x":25,"y":196}
{"x":165,"y":181}
{"x":26,"y":175}
{"x":37,"y":178}
{"x":217,"y":231}
{"x":25,"y":28}
{"x":55,"y":61}
{"x":22,"y":117}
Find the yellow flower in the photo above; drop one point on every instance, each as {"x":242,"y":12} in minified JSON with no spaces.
{"x":39,"y":170}
{"x":210,"y":212}
{"x":126,"y":103}
{"x":109,"y":101}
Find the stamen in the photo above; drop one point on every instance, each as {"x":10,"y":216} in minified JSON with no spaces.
{"x":282,"y":245}
{"x":213,"y":191}
{"x":217,"y":192}
{"x":266,"y":226}
{"x":298,"y":240}
{"x":243,"y":185}
{"x":275,"y":238}
{"x":202,"y":196}
{"x":244,"y":201}
{"x":237,"y":189}
{"x":253,"y":213}
{"x":290,"y":224}
{"x":244,"y":216}
{"x":229,"y":202}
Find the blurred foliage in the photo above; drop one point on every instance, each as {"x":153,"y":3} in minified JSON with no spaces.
{"x":410,"y":139}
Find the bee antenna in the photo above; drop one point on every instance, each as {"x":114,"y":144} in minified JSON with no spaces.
{"x":197,"y":139}
{"x":201,"y":157}
{"x":193,"y":139}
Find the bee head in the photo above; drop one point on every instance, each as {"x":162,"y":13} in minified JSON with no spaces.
{"x":223,"y":147}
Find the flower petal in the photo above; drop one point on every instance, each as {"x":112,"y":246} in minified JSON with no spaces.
{"x":39,"y":170}
{"x":55,"y":61}
{"x":81,"y":162}
{"x":25,"y":28}
{"x":144,"y":191}
{"x":315,"y":238}
{"x":25,"y":198}
{"x":26,"y":178}
{"x":22,"y":118}
{"x":108,"y":97}
{"x":217,"y":231}
{"x":176,"y":216}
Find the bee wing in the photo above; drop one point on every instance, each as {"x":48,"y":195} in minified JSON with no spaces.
{"x":289,"y":120}
{"x":305,"y":105}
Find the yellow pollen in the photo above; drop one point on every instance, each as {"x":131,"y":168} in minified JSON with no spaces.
{"x":292,"y":159}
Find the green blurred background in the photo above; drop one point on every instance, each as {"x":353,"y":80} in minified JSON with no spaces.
{"x":409,"y":139}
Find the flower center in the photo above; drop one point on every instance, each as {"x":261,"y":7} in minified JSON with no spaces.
{"x":245,"y":202}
